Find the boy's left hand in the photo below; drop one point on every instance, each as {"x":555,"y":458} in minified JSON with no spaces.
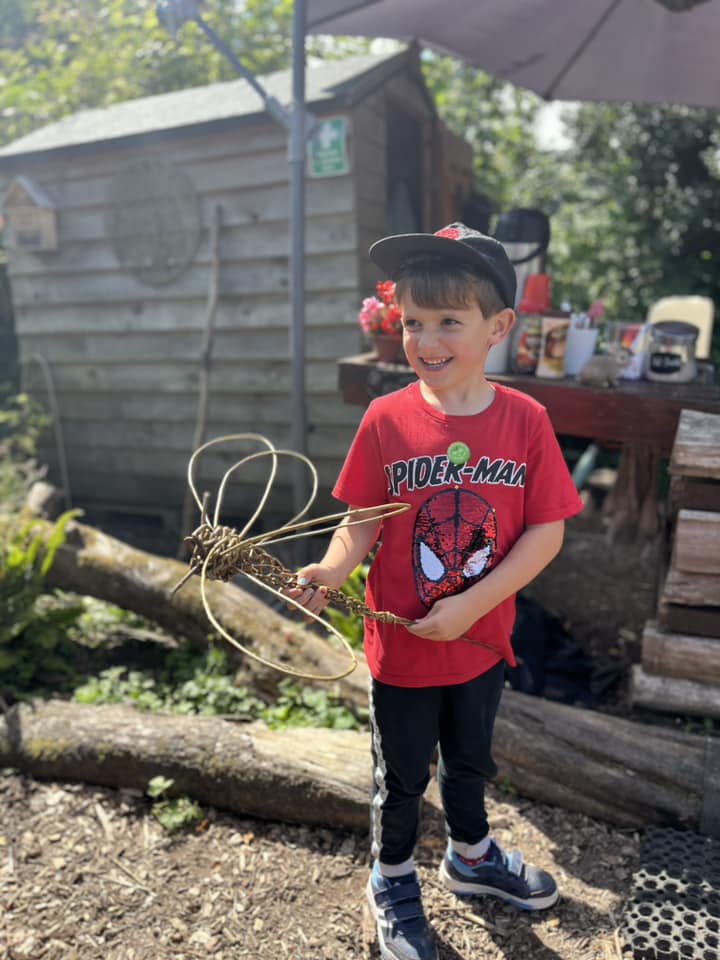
{"x":448,"y":619}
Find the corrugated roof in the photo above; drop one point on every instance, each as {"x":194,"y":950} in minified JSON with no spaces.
{"x":196,"y":105}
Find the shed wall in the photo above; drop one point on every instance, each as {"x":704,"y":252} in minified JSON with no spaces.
{"x":125,"y":357}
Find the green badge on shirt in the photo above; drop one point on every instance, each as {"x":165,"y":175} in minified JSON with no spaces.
{"x":458,"y":453}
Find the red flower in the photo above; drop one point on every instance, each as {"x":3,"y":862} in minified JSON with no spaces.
{"x":381,"y":314}
{"x":386,"y":292}
{"x":390,"y":323}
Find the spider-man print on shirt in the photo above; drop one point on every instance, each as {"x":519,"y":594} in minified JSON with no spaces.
{"x":454,"y":543}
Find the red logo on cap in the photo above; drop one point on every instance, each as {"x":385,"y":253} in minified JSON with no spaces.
{"x":451,"y":232}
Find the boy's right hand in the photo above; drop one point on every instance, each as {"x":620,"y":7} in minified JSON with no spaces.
{"x":311,"y":589}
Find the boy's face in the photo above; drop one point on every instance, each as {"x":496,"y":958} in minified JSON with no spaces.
{"x":447,"y":348}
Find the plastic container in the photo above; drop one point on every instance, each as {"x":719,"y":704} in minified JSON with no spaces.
{"x":700,"y":311}
{"x":551,"y":362}
{"x":536,"y":295}
{"x":581,"y":343}
{"x":525,"y":346}
{"x":498,"y":357}
{"x":671,"y":352}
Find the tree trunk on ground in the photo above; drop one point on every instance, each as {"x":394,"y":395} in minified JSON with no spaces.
{"x":93,"y":563}
{"x":302,"y":775}
{"x":603,"y":766}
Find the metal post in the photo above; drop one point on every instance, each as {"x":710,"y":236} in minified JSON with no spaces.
{"x":297,"y":146}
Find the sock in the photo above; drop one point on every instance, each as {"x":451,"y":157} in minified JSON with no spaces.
{"x":391,"y":871}
{"x":471,"y":854}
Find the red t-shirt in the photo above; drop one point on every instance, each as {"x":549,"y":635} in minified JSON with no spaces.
{"x":474,"y":484}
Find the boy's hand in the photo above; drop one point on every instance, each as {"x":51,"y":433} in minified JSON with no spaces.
{"x":312,"y":586}
{"x":449,"y":619}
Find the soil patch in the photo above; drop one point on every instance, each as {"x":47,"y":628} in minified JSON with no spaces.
{"x":87,"y":873}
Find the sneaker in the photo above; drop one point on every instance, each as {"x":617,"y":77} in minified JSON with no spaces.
{"x":500,"y":875}
{"x":396,"y":906}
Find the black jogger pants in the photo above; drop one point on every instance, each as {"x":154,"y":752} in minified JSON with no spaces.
{"x":407,"y":724}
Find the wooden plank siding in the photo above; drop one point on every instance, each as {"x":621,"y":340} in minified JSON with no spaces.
{"x":126,"y":357}
{"x":108,"y":337}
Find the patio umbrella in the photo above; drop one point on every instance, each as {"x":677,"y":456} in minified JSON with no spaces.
{"x":645,"y":51}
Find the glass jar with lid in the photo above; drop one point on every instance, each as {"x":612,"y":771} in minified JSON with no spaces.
{"x":671,"y":352}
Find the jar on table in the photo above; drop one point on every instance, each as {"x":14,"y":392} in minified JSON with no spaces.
{"x":671,"y":352}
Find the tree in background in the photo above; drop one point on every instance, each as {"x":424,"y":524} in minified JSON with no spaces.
{"x":647,"y":223}
{"x":498,"y":121}
{"x":61,"y":56}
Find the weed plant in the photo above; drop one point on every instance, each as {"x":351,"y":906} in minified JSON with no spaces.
{"x":172,"y":813}
{"x":35,"y":649}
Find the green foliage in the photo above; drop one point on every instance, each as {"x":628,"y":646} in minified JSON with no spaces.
{"x":299,"y":706}
{"x":158,"y":786}
{"x":498,"y":120}
{"x":646,"y":222}
{"x":60,"y":57}
{"x":174,"y":814}
{"x":99,"y":622}
{"x":203,"y":683}
{"x":69,"y":55}
{"x":22,"y":421}
{"x":350,"y":625}
{"x":189,"y":683}
{"x":34,"y":646}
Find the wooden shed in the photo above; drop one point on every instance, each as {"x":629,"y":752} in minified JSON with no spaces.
{"x":117,"y":309}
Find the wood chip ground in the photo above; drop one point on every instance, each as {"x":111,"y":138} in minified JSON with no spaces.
{"x":87,"y":872}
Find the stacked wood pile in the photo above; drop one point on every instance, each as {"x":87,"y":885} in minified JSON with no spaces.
{"x":680,"y":670}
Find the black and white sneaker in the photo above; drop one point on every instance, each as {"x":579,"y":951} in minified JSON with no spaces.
{"x":500,"y":875}
{"x":402,"y":930}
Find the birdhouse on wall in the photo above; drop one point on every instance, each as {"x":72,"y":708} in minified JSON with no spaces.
{"x":30,"y":217}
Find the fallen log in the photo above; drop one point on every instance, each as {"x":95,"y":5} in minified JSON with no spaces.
{"x":668,"y":694}
{"x":607,"y":767}
{"x":301,"y":775}
{"x":93,"y":563}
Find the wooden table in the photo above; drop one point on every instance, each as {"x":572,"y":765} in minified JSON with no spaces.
{"x":638,"y":412}
{"x":640,"y":416}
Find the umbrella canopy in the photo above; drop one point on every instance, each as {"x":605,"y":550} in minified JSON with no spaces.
{"x":645,"y":51}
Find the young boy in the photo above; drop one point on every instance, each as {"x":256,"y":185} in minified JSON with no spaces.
{"x":489,"y":491}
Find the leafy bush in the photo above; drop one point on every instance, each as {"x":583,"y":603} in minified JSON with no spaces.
{"x":22,"y":420}
{"x":189,"y":683}
{"x":34,"y":646}
{"x":192,"y":683}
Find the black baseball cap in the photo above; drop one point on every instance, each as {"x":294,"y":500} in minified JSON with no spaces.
{"x":455,"y":242}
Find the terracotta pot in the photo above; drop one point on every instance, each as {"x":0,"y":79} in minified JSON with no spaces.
{"x":388,"y":349}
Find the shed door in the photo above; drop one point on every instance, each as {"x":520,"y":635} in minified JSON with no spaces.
{"x":404,"y":173}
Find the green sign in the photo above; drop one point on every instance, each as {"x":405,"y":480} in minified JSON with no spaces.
{"x":327,"y":148}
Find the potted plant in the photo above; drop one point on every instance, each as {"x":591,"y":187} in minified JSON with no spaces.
{"x":379,"y":320}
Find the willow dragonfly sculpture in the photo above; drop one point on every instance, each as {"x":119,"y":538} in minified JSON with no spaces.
{"x":219,"y":552}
